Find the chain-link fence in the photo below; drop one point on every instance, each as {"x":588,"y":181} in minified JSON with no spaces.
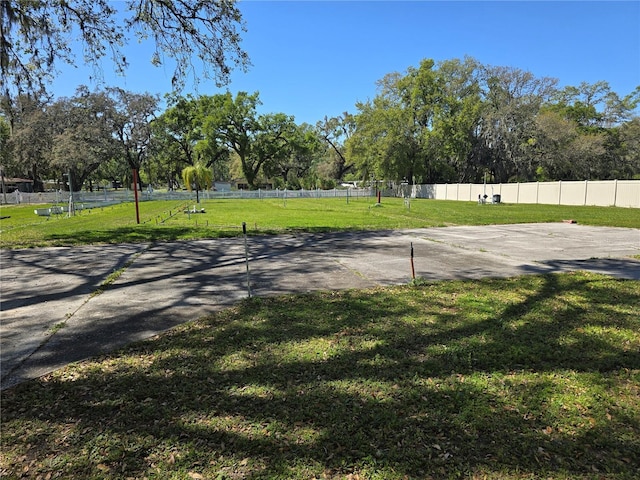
{"x":111,"y":197}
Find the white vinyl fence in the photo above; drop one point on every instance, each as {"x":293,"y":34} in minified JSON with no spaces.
{"x":619,"y":193}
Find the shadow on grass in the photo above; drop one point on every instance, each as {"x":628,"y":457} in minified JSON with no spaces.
{"x":166,"y":233}
{"x":535,"y":376}
{"x":135,"y":234}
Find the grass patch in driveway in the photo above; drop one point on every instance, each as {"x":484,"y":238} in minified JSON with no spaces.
{"x":537,"y":376}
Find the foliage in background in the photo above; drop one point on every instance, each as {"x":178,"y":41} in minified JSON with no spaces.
{"x":461,"y":121}
{"x":441,"y":122}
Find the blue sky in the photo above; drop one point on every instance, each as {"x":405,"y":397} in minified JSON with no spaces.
{"x":318,"y":58}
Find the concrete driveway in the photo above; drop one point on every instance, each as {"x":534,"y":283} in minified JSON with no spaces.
{"x":51,"y":316}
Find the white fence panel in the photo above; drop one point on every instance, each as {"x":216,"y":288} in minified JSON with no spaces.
{"x":549,"y":193}
{"x":528,"y":193}
{"x":572,"y":193}
{"x":619,"y":193}
{"x":441,"y":191}
{"x":601,"y":193}
{"x":627,"y":193}
{"x":466,"y":192}
{"x":508,"y":192}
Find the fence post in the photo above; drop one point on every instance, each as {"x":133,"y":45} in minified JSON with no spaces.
{"x":559,"y":192}
{"x":615,"y":192}
{"x":586,"y":185}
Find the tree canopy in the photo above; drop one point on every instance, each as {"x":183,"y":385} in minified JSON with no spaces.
{"x":438,"y":122}
{"x":37,"y":34}
{"x":458,"y":120}
{"x":197,"y":177}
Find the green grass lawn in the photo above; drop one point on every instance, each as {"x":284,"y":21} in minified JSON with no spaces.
{"x":165,"y":221}
{"x":531,"y":377}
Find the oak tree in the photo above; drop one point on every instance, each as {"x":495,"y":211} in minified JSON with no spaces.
{"x":37,"y":34}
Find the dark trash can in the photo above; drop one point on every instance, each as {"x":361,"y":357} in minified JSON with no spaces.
{"x":496,"y":198}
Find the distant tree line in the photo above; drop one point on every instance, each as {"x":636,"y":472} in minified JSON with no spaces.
{"x":460,"y":121}
{"x":89,"y":137}
{"x":452,"y":121}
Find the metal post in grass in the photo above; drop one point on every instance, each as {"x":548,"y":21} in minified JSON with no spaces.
{"x":246,"y":256}
{"x":413,"y":269}
{"x":135,"y":194}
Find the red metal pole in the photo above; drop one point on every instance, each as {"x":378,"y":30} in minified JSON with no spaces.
{"x":135,"y":194}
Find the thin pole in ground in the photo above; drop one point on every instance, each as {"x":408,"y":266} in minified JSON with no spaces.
{"x":246,"y":256}
{"x":135,"y":194}
{"x":413,"y":269}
